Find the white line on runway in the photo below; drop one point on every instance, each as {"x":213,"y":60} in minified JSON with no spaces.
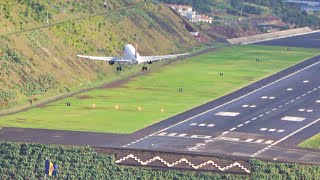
{"x":172,"y":134}
{"x":306,"y":81}
{"x":182,"y":135}
{"x":201,"y":136}
{"x":286,"y":137}
{"x":252,"y":92}
{"x":293,"y":118}
{"x":162,"y":134}
{"x":227,"y":114}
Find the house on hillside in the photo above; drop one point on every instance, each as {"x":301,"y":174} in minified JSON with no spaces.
{"x":187,"y":11}
{"x":202,"y":18}
{"x":180,"y":8}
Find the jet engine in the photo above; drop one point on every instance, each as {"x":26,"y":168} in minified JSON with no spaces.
{"x":149,"y":62}
{"x":111,"y":62}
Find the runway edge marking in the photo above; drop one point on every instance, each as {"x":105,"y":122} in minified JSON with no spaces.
{"x":186,"y":120}
{"x":286,"y":137}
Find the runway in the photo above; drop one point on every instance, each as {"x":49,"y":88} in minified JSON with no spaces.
{"x":264,"y":123}
{"x":311,"y":40}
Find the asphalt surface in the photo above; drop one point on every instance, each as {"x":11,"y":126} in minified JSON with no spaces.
{"x":262,"y":123}
{"x":311,"y":40}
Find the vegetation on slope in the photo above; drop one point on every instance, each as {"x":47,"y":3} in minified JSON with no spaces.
{"x":40,"y":63}
{"x":26,"y":161}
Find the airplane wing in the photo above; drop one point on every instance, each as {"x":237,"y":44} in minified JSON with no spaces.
{"x":159,"y":58}
{"x":101,"y":58}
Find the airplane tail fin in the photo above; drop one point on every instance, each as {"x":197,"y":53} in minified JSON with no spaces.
{"x":136,"y":52}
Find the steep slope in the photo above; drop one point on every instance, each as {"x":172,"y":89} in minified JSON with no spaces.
{"x":40,"y":63}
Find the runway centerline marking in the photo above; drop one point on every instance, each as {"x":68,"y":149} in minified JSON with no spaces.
{"x":286,"y":137}
{"x":229,"y":102}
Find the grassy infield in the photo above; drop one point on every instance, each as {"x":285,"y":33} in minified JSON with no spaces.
{"x":117,"y":109}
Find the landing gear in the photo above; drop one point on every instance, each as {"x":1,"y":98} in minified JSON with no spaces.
{"x":144,"y":68}
{"x":119,"y":68}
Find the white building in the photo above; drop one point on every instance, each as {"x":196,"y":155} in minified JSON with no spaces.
{"x":188,"y":14}
{"x":180,"y":8}
{"x":202,"y":18}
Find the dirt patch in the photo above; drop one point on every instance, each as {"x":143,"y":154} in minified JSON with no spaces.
{"x":84,"y":97}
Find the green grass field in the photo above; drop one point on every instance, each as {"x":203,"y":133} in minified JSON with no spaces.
{"x":150,"y":98}
{"x":313,"y":142}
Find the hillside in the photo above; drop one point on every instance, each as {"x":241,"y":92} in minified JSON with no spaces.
{"x":39,"y":63}
{"x":235,"y":18}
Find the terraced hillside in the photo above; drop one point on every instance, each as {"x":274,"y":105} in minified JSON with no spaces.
{"x":39,"y":63}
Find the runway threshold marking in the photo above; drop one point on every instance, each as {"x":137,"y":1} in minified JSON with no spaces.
{"x":286,"y":137}
{"x":229,"y":102}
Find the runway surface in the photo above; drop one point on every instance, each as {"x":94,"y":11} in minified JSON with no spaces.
{"x":311,"y":40}
{"x":265,"y":122}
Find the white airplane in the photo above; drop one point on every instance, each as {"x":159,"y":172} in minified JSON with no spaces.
{"x":131,"y":56}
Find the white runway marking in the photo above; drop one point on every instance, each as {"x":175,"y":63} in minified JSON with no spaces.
{"x":306,"y":81}
{"x":286,"y":137}
{"x":240,"y":125}
{"x":251,"y":106}
{"x":301,"y":110}
{"x":229,"y":139}
{"x":162,"y":134}
{"x":182,"y":135}
{"x":268,"y":142}
{"x":227,"y":114}
{"x":289,"y":89}
{"x":318,"y":101}
{"x":292,"y":118}
{"x":309,"y":110}
{"x":226,"y":132}
{"x":249,"y":140}
{"x":247,"y":122}
{"x":233,"y":129}
{"x":272,"y":97}
{"x":172,"y":134}
{"x":264,"y":97}
{"x":259,"y":141}
{"x":271,"y":130}
{"x":202,"y":125}
{"x":201,"y":136}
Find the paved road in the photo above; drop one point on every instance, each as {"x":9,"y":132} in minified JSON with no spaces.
{"x":262,"y":123}
{"x":311,"y":40}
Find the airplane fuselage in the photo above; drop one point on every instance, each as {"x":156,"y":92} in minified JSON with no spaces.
{"x":130,"y":53}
